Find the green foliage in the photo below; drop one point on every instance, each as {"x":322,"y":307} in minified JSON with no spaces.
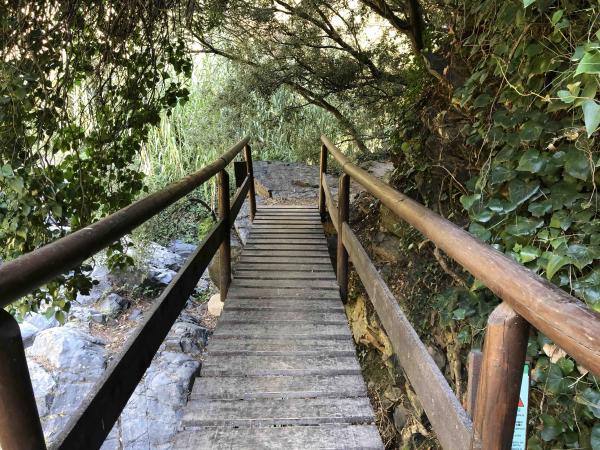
{"x":82,"y":83}
{"x":533,"y":98}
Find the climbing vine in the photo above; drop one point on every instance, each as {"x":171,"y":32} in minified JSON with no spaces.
{"x":534,"y":109}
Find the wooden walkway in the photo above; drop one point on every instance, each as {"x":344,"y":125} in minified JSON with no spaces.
{"x":281,"y":370}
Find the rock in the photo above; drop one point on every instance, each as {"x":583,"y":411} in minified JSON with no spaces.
{"x":64,"y":363}
{"x":100,"y":274}
{"x":96,"y":316}
{"x":28,"y":333}
{"x":135,"y":314}
{"x":161,"y":258}
{"x":112,"y":305}
{"x":187,"y":337}
{"x":40,"y":321}
{"x":242,"y":223}
{"x":33,"y":323}
{"x":438,"y":356}
{"x":387,"y":248}
{"x":401,"y":415}
{"x":182,"y":249}
{"x":215,"y":305}
{"x":160,"y":276}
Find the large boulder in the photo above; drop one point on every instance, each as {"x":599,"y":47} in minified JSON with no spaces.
{"x":64,"y":363}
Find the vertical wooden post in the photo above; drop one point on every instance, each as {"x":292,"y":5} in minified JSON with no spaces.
{"x":225,"y":248}
{"x":250,"y":175}
{"x":342,"y":253}
{"x":20,"y":426}
{"x":500,"y":380}
{"x":474,"y":372}
{"x":322,"y":172}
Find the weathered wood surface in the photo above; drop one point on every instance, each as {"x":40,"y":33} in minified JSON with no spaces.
{"x":452,"y":425}
{"x":281,"y":368}
{"x":332,"y":437}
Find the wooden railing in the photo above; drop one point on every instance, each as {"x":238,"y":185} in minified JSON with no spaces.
{"x":527,"y":299}
{"x":20,"y":426}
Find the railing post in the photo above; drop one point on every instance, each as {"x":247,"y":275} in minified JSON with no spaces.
{"x":500,"y":379}
{"x":20,"y":426}
{"x":342,"y":253}
{"x":250,"y":175}
{"x":322,"y":172}
{"x":225,"y":248}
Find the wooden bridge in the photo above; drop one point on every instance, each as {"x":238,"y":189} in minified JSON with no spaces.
{"x":281,"y":370}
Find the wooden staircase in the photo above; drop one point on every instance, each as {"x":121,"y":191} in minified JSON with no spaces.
{"x":281,"y":370}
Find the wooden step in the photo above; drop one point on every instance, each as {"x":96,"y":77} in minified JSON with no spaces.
{"x":243,"y":282}
{"x":265,"y":365}
{"x":330,"y":437}
{"x":280,"y":347}
{"x":303,"y":330}
{"x":279,"y":387}
{"x":284,"y":304}
{"x":258,"y":293}
{"x":270,"y":412}
{"x":278,"y":274}
{"x":307,"y":315}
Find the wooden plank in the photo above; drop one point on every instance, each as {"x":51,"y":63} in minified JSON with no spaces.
{"x":308,"y":227}
{"x":303,"y":294}
{"x":239,"y":197}
{"x":306,"y":260}
{"x":244,"y":388}
{"x":276,"y":330}
{"x":291,"y":233}
{"x":283,"y":268}
{"x":331,"y":207}
{"x":281,"y":275}
{"x":450,"y":421}
{"x":278,"y":303}
{"x":307,"y":246}
{"x":300,"y":253}
{"x":276,"y":240}
{"x":331,"y":437}
{"x":474,"y":361}
{"x":269,"y":412}
{"x":232,"y":314}
{"x":281,"y":346}
{"x":278,"y":365}
{"x":286,"y":283}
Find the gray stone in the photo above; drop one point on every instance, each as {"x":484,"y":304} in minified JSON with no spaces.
{"x":135,"y":314}
{"x":159,"y":257}
{"x":40,"y":321}
{"x":182,"y":249}
{"x":160,"y":276}
{"x":101,"y":275}
{"x":96,"y":316}
{"x":64,"y":363}
{"x":112,"y":305}
{"x":438,"y":356}
{"x":387,"y":248}
{"x":401,"y":415}
{"x":28,"y":333}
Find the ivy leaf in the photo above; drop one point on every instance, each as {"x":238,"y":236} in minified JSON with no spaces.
{"x":479,"y":231}
{"x":540,"y":209}
{"x":6,"y":171}
{"x":595,"y":437}
{"x":590,"y":63}
{"x":581,"y":255}
{"x":469,"y":200}
{"x":482,"y":100}
{"x":524,"y":226}
{"x":552,"y":428}
{"x":529,"y":253}
{"x":566,"y":96}
{"x":519,"y":192}
{"x":566,"y":365}
{"x":527,"y":3}
{"x":591,"y":116}
{"x":501,"y":174}
{"x":557,"y":16}
{"x":577,"y":164}
{"x":555,"y":263}
{"x":591,"y":398}
{"x":531,"y":131}
{"x":483,"y":216}
{"x":531,"y":161}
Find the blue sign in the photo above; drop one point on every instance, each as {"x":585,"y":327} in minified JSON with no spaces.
{"x":520,"y":435}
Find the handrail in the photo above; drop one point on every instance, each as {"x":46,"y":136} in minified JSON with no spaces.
{"x":528,"y":298}
{"x":560,"y":316}
{"x":88,"y":427}
{"x":20,"y":276}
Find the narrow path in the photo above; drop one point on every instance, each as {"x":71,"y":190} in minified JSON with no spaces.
{"x":281,"y":370}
